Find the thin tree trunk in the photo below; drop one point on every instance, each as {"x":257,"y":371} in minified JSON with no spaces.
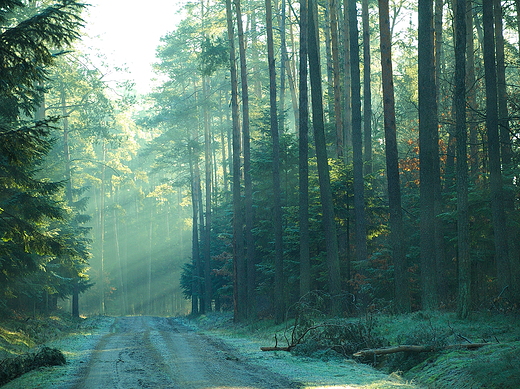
{"x":506,"y":150}
{"x":338,"y":122}
{"x":472,"y":93}
{"x":239,"y":264}
{"x":347,"y":82}
{"x":195,"y":250}
{"x":357,"y":139}
{"x":279,"y":295}
{"x":401,"y":281}
{"x":102,"y":229}
{"x":303,"y":161}
{"x":463,"y":238}
{"x":248,"y":182}
{"x":208,"y":209}
{"x":283,"y":65}
{"x":329,"y":223}
{"x":329,"y":62}
{"x":492,"y":122}
{"x":367,"y":93}
{"x":122,"y":284}
{"x":150,"y":302}
{"x":68,"y":179}
{"x":428,"y":154}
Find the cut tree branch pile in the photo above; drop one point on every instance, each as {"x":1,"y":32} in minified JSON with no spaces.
{"x":12,"y":368}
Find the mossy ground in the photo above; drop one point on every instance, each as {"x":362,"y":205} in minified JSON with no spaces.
{"x":492,"y":367}
{"x":21,"y":333}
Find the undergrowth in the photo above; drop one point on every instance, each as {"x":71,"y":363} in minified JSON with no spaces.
{"x":309,"y":332}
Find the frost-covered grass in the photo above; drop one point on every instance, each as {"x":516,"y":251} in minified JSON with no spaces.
{"x":492,"y":367}
{"x":313,"y":373}
{"x":76,"y":346}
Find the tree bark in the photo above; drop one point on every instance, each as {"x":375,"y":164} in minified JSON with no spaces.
{"x":338,"y":122}
{"x":248,"y":181}
{"x":428,"y":154}
{"x":303,"y":151}
{"x":463,"y":237}
{"x":492,"y":122}
{"x":416,"y":349}
{"x":401,"y":281}
{"x":347,"y":82}
{"x":367,"y":92}
{"x":239,"y":265}
{"x":329,"y":224}
{"x":357,"y":139}
{"x":208,"y":289}
{"x":279,"y":298}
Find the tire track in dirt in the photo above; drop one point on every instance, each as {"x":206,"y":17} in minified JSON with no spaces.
{"x":154,"y":352}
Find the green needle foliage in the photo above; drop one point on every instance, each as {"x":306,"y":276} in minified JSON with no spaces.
{"x":37,"y":241}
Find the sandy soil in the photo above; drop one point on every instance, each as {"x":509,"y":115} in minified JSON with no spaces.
{"x":156,"y":352}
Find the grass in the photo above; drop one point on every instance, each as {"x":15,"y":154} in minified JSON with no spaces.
{"x":492,"y":367}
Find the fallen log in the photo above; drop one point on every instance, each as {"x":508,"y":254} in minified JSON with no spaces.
{"x":276,"y":348}
{"x":416,"y":349}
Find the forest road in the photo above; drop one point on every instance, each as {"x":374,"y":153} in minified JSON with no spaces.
{"x":157,"y":352}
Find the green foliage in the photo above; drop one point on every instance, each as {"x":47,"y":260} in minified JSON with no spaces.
{"x":499,"y":369}
{"x":15,"y":367}
{"x":40,"y":252}
{"x":214,"y":55}
{"x":30,"y":45}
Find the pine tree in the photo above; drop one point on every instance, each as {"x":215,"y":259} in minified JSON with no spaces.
{"x":32,"y":230}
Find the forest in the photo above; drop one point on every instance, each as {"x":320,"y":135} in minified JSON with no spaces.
{"x":359,"y":153}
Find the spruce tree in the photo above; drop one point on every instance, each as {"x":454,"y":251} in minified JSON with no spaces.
{"x":32,"y":215}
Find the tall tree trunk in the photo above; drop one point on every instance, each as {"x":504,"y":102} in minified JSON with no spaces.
{"x":303,"y":152}
{"x":472,"y":93}
{"x":347,"y":81}
{"x":150,"y":301}
{"x":283,"y":65}
{"x":338,"y":122}
{"x":329,"y":62}
{"x":428,"y":154}
{"x":68,"y":178}
{"x":279,"y":294}
{"x":441,"y":257}
{"x":401,"y":281}
{"x":120,"y":267}
{"x":357,"y":138}
{"x":208,"y":287}
{"x":195,"y":249}
{"x":102,"y":229}
{"x":248,"y":182}
{"x":492,"y":123}
{"x":463,"y":238}
{"x":367,"y":93}
{"x":506,"y":149}
{"x":329,"y":224}
{"x":239,"y":264}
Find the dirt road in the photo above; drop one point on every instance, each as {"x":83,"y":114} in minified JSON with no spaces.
{"x":154,"y":352}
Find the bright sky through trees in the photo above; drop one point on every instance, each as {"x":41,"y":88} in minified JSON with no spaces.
{"x":128,"y":32}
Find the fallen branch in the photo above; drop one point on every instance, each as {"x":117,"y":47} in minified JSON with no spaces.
{"x":295,"y":342}
{"x":276,"y":348}
{"x":416,"y":349}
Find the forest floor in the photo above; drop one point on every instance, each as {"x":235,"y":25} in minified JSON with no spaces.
{"x":211,"y":352}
